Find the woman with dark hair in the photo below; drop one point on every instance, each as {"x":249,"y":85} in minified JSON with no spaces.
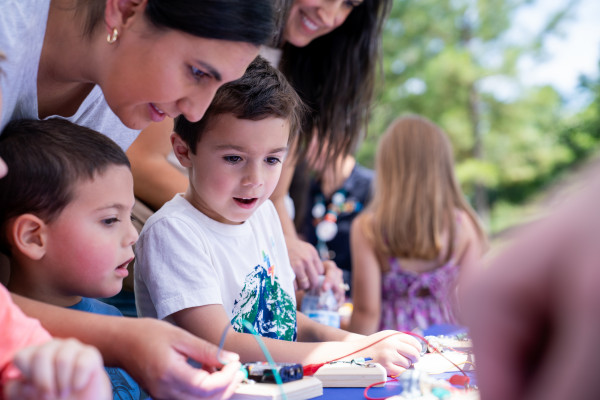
{"x":115,"y":66}
{"x":329,"y":50}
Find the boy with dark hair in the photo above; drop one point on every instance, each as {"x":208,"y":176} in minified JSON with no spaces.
{"x":65,"y":219}
{"x":215,"y":256}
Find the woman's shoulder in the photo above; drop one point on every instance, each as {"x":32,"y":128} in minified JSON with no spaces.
{"x":20,"y":14}
{"x":22,"y":21}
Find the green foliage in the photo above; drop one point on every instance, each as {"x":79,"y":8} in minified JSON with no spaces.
{"x":441,"y":57}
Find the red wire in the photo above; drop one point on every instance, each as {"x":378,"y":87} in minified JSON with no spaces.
{"x":310,"y":369}
{"x":365,"y":393}
{"x":437,"y":351}
{"x":375,"y":384}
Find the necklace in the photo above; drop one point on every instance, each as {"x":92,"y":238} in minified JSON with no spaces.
{"x":325,"y":218}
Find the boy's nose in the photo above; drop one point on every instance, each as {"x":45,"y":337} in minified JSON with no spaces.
{"x":131,"y":235}
{"x":253,"y":177}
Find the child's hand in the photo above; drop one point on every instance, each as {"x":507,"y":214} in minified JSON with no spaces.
{"x":396,"y":353}
{"x":59,"y":369}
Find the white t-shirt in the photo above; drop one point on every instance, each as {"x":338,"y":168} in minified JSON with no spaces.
{"x":185,"y":259}
{"x":22,"y":30}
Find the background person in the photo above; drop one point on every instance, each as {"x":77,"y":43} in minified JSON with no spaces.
{"x":532,"y":311}
{"x":417,"y":235}
{"x":337,"y":193}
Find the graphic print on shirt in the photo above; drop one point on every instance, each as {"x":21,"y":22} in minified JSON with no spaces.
{"x":123,"y":385}
{"x":265,"y":304}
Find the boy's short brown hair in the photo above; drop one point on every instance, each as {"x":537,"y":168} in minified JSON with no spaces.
{"x":46,"y":159}
{"x":260,"y":93}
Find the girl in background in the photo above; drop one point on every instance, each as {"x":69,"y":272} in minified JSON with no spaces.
{"x":409,"y":245}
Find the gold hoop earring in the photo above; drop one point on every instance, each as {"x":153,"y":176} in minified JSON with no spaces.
{"x":112,"y":37}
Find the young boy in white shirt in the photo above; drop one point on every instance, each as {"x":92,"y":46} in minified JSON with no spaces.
{"x":215,"y":255}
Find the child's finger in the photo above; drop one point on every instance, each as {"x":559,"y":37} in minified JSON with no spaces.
{"x":37,"y":366}
{"x":88,"y":363}
{"x":410,"y":350}
{"x":18,"y":390}
{"x":411,"y":340}
{"x":64,"y":360}
{"x":225,"y":380}
{"x":393,"y":369}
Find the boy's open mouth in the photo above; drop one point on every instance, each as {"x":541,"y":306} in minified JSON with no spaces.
{"x":125,"y":264}
{"x":244,"y":200}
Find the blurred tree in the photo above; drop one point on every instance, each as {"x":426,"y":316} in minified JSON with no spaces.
{"x":455,"y":62}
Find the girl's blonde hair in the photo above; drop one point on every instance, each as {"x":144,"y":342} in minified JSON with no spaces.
{"x":416,"y":193}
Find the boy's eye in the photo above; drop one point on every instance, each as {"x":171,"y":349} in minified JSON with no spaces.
{"x":272,"y":160}
{"x":232,"y":159}
{"x":197,"y":73}
{"x":110,"y":221}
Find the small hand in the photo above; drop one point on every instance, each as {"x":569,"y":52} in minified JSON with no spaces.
{"x":396,"y":353}
{"x":60,"y":369}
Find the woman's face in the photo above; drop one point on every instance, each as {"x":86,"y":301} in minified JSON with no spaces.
{"x":154,"y":73}
{"x":309,"y":19}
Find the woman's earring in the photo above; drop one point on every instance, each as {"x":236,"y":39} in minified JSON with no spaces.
{"x":112,"y":37}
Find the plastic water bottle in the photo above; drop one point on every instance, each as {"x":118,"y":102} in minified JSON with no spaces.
{"x":321,"y":305}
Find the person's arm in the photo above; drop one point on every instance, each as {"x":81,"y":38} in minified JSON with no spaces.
{"x":156,"y":179}
{"x":395,"y":353}
{"x":304,"y":258}
{"x":59,"y":369}
{"x":153,"y":352}
{"x":366,"y":282}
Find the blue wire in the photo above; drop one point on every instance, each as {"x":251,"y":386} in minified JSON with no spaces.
{"x":264,"y":349}
{"x":221,"y":344}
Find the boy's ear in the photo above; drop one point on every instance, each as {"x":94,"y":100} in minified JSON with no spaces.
{"x":27,"y":234}
{"x":181,"y":150}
